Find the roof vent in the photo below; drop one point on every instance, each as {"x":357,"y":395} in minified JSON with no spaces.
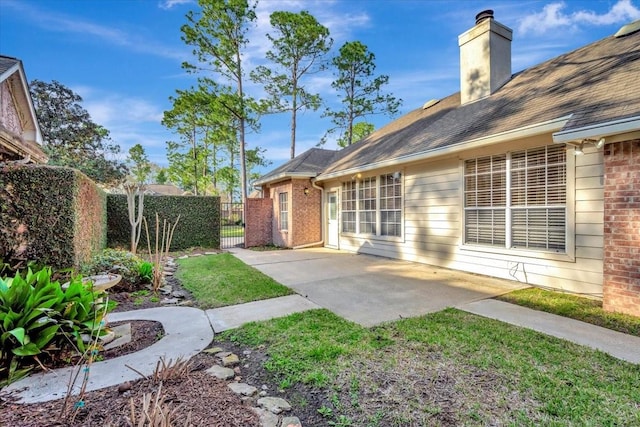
{"x":628,"y":29}
{"x":484,"y":15}
{"x":430,"y":103}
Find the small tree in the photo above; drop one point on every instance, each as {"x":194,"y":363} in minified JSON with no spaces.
{"x":135,"y":218}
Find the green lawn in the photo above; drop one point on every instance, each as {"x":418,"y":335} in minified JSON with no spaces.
{"x":574,"y":306}
{"x":222,"y":279}
{"x":449,"y":367}
{"x":232,"y":231}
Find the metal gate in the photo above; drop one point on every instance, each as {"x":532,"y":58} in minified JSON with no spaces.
{"x":231,"y":225}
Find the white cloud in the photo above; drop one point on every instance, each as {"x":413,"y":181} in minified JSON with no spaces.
{"x":169,"y":4}
{"x":114,"y":109}
{"x":621,"y":12}
{"x":64,"y":23}
{"x":553,"y":16}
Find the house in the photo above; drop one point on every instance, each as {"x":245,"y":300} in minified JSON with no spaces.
{"x":533,"y":176}
{"x":20,"y":137}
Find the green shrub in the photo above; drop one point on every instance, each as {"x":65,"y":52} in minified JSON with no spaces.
{"x":38,"y":316}
{"x":199,"y":224}
{"x":119,"y":262}
{"x":51,"y":214}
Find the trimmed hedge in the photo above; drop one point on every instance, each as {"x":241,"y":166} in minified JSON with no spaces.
{"x":199,"y":221}
{"x":52,"y":215}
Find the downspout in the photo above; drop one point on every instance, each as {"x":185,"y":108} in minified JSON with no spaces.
{"x":321,"y":242}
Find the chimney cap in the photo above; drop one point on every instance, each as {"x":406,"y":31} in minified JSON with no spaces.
{"x":484,"y":15}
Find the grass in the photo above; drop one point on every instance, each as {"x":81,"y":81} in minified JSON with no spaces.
{"x":491,"y":372}
{"x":221,"y":280}
{"x":575,"y":307}
{"x":232,"y":231}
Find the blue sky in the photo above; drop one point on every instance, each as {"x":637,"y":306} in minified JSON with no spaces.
{"x":124,"y":56}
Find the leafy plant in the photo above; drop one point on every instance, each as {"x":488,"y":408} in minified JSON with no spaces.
{"x":119,"y":262}
{"x":38,"y":316}
{"x":145,"y":271}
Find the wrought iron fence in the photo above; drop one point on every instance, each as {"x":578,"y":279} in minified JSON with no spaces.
{"x":231,"y":225}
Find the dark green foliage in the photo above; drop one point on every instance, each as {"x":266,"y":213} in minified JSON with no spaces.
{"x":54,"y":215}
{"x":119,"y":262}
{"x":199,"y":221}
{"x":38,"y":316}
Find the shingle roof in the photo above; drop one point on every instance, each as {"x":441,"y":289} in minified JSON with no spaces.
{"x":597,"y":83}
{"x":310,"y":163}
{"x":7,"y":62}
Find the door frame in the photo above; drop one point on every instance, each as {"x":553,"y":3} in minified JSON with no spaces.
{"x":335,"y":190}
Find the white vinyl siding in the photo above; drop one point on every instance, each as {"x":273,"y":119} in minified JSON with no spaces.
{"x":283,"y":201}
{"x":433,"y":224}
{"x":517,"y":200}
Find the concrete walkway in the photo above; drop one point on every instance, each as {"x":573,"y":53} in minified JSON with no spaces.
{"x":187,"y":333}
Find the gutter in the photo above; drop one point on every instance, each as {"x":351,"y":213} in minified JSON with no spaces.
{"x":322,"y":230}
{"x":523,"y":132}
{"x":630,"y":124}
{"x":282,"y":176}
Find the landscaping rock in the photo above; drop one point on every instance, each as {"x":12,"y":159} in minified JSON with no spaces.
{"x":267,"y":419}
{"x":179,"y":294}
{"x":211,"y":253}
{"x":230,"y":360}
{"x":166,"y":290}
{"x":168,"y":301}
{"x":275,"y":405}
{"x":183,"y":257}
{"x":186,"y":303}
{"x":223,"y":353}
{"x":221,"y":372}
{"x":291,"y":422}
{"x":213,"y":350}
{"x":243,"y":389}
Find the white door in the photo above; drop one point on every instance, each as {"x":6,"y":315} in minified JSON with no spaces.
{"x":332,"y":219}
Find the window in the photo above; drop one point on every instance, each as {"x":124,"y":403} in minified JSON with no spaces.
{"x":349,"y":207}
{"x":284,"y":211}
{"x":390,"y":205}
{"x":373,"y":205}
{"x":517,"y":200}
{"x":367,"y":205}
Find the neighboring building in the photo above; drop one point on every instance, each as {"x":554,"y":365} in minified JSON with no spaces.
{"x":20,"y":137}
{"x":163,"y":190}
{"x":533,"y":177}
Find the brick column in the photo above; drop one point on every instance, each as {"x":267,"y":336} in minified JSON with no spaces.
{"x":621,"y":291}
{"x":258,"y":218}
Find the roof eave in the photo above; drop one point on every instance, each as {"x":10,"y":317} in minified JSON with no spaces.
{"x":523,"y":132}
{"x":282,"y":176}
{"x":614,"y":127}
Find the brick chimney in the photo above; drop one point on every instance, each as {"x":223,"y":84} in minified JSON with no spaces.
{"x":485,"y":58}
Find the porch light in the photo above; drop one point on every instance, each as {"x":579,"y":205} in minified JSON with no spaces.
{"x":306,"y":191}
{"x":598,"y":144}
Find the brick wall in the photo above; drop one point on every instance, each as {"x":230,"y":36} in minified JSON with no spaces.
{"x":621,"y":292}
{"x":258,"y":219}
{"x":306,"y":224}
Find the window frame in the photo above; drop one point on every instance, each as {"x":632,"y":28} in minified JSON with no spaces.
{"x":356,"y":188}
{"x":570,"y":221}
{"x":283,"y":214}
